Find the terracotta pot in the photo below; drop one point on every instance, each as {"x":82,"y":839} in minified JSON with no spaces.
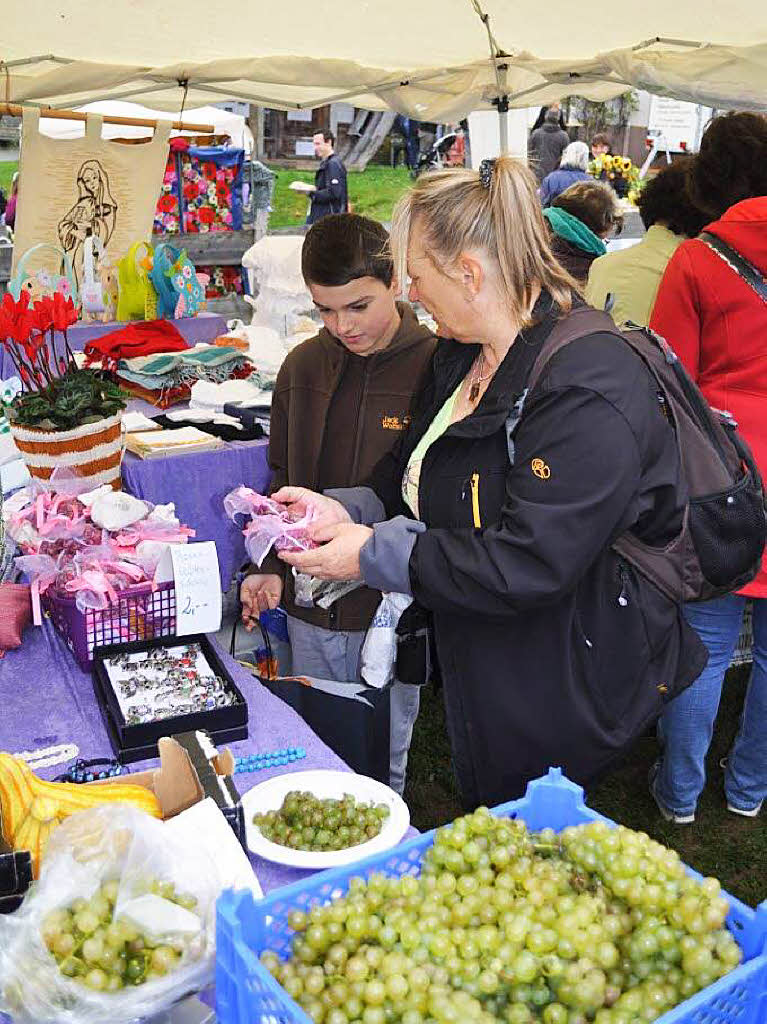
{"x":92,"y":451}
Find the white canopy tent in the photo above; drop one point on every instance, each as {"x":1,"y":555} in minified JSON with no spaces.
{"x":431,"y":59}
{"x":223,"y":121}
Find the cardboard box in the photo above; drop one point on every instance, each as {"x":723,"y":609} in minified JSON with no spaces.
{"x":178,"y":784}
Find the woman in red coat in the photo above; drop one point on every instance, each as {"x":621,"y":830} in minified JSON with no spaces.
{"x":717,"y":324}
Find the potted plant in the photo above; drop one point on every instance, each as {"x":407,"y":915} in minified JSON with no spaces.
{"x":64,"y":416}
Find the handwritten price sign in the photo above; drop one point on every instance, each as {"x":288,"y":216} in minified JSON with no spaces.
{"x":198,"y":588}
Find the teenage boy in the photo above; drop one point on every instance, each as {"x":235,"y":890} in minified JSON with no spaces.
{"x":329,"y":195}
{"x":340,"y":405}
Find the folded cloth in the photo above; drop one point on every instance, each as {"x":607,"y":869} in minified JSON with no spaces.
{"x":199,"y":356}
{"x":143,"y":338}
{"x":206,"y":395}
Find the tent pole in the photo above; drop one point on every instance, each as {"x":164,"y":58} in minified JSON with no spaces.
{"x":15,"y":110}
{"x":503,"y":111}
{"x":503,"y":126}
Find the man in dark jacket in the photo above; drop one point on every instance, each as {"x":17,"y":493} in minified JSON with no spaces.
{"x":341,"y":402}
{"x":546,"y":145}
{"x":329,"y":194}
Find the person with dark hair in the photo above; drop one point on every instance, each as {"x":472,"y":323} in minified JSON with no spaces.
{"x":579,"y":219}
{"x":542,"y":116}
{"x":716,"y":321}
{"x":546,"y":145}
{"x":600,"y":145}
{"x":630,"y":277}
{"x":341,"y":401}
{"x":329,"y":194}
{"x":9,"y":215}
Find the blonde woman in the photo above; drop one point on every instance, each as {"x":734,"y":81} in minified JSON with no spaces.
{"x":498,"y":512}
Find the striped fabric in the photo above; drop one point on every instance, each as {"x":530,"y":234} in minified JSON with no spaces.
{"x":93,"y":451}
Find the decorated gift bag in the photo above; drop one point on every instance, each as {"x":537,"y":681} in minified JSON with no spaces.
{"x":180,"y":289}
{"x":99,"y":292}
{"x":53,"y":274}
{"x":137,"y":299}
{"x":73,"y":189}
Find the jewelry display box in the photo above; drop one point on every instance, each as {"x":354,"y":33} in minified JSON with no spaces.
{"x":153,"y":688}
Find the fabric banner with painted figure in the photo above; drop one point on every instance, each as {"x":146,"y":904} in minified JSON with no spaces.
{"x":72,"y":188}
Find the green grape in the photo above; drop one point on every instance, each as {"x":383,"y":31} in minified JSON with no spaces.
{"x":596,"y":926}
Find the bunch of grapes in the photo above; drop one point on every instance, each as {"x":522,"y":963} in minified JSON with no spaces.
{"x":105,"y":954}
{"x":596,"y":925}
{"x":305,"y":822}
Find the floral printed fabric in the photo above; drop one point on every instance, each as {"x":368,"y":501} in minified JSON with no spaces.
{"x":202,"y":185}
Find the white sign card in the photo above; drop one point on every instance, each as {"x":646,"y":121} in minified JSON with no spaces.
{"x":198,"y":587}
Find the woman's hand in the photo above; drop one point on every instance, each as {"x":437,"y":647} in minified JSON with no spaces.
{"x":339,"y":556}
{"x":300,"y":500}
{"x":259,"y":592}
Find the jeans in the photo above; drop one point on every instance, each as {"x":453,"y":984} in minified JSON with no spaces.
{"x":334,"y":654}
{"x":687,"y":725}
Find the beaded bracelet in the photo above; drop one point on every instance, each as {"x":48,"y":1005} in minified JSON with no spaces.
{"x":80,"y":771}
{"x":268,"y":759}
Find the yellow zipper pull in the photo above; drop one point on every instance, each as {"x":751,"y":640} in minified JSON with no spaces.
{"x":475,"y":500}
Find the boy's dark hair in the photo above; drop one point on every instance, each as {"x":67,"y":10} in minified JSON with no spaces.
{"x":732,"y":163}
{"x":343,"y":247}
{"x":665,"y":199}
{"x":327,"y":135}
{"x":594,"y":204}
{"x":600,"y":139}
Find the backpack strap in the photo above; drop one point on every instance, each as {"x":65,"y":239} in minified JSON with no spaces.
{"x":581,"y":321}
{"x":737,"y":263}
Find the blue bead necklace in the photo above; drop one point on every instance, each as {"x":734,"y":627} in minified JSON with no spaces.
{"x":268,"y":759}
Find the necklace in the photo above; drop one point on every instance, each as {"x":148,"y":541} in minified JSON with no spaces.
{"x":478,"y":379}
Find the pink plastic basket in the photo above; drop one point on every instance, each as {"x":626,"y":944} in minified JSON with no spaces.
{"x":140,"y":613}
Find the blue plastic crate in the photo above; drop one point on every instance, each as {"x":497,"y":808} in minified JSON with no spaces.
{"x":247,"y":994}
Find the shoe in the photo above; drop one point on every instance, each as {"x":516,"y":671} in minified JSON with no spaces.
{"x":666,"y":813}
{"x":752,"y":813}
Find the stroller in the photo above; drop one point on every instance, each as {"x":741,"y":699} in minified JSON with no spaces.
{"x":435,"y":158}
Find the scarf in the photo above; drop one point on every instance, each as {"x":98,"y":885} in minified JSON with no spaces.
{"x":574,"y":231}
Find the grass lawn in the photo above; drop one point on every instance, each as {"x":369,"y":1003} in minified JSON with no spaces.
{"x":7,"y":171}
{"x":732,"y":849}
{"x":372,"y":192}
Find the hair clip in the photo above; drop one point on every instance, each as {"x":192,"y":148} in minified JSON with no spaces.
{"x":486,"y":169}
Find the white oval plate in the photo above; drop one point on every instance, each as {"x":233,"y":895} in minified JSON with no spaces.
{"x":268,"y":796}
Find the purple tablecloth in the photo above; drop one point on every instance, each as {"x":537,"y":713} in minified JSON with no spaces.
{"x":198,"y":484}
{"x":203,"y":327}
{"x":46,"y":699}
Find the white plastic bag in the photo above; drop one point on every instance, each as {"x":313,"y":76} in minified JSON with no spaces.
{"x":112,"y":842}
{"x":378,"y":658}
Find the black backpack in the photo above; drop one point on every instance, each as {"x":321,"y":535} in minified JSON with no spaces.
{"x":719,"y":547}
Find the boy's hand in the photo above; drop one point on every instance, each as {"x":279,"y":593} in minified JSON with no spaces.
{"x":260,"y":592}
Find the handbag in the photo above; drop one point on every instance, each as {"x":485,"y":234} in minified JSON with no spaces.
{"x":180,"y":289}
{"x":356,"y":729}
{"x":99,"y":292}
{"x":137,"y":299}
{"x":41,"y":283}
{"x":166,"y":257}
{"x":15,"y":614}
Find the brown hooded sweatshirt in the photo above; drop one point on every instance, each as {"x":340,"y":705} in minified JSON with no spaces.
{"x":334,"y":416}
